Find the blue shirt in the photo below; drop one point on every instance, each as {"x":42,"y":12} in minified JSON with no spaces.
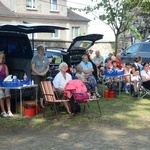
{"x":86,"y":66}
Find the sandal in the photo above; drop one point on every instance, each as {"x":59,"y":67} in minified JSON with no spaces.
{"x":4,"y":114}
{"x":10,"y":114}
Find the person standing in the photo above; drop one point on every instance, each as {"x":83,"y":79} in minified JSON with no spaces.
{"x":39,"y":67}
{"x":4,"y":94}
{"x":98,"y":61}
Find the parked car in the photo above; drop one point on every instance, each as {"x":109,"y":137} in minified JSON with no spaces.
{"x":139,"y":49}
{"x":73,"y":55}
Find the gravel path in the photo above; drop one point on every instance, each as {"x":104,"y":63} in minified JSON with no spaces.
{"x":74,"y":138}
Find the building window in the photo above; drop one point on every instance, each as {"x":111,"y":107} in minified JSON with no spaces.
{"x":56,"y":34}
{"x":75,"y":31}
{"x":30,"y":3}
{"x":53,"y":5}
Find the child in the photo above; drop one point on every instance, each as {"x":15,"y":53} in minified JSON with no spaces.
{"x":81,"y":76}
{"x":127,"y":78}
{"x":135,"y":74}
{"x":115,"y":84}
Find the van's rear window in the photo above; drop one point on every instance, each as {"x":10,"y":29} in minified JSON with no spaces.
{"x":16,"y":47}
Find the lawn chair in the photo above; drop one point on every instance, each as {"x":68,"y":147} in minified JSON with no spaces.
{"x":143,"y":91}
{"x":51,"y":97}
{"x":77,"y":89}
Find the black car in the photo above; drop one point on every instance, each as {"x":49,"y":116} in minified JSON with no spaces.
{"x":73,"y":55}
{"x":139,"y":49}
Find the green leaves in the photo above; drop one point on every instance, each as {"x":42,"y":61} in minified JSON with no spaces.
{"x":134,"y":30}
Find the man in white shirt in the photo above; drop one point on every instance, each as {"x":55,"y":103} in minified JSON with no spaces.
{"x":98,"y":61}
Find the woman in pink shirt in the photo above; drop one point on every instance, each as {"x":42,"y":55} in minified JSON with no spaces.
{"x":4,"y":94}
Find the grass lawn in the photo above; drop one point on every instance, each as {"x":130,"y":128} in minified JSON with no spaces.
{"x":124,"y":111}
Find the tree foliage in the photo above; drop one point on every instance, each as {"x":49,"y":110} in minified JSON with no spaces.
{"x":143,"y":5}
{"x":116,"y":14}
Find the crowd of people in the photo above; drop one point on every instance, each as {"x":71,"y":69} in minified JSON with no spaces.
{"x":136,"y":70}
{"x":84,"y":72}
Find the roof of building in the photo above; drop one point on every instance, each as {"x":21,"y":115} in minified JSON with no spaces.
{"x":71,"y":16}
{"x":5,"y":11}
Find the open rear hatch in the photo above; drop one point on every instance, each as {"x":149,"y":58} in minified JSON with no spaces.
{"x":83,"y":43}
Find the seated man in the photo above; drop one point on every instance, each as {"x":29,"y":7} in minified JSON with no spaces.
{"x":88,"y":70}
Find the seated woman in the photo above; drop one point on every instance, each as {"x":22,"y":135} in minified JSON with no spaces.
{"x":88,"y":70}
{"x":60,"y":81}
{"x":4,"y":94}
{"x":145,"y":75}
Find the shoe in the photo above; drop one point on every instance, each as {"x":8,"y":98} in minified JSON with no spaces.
{"x":4,"y":114}
{"x":10,"y":114}
{"x":98,"y":95}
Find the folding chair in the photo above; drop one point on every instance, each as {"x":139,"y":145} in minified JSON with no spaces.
{"x":143,"y":91}
{"x":80,"y":95}
{"x":50,"y":97}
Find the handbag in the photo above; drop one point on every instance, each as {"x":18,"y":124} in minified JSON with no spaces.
{"x":80,"y":97}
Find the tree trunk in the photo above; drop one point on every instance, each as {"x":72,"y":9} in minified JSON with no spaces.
{"x":116,"y":43}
